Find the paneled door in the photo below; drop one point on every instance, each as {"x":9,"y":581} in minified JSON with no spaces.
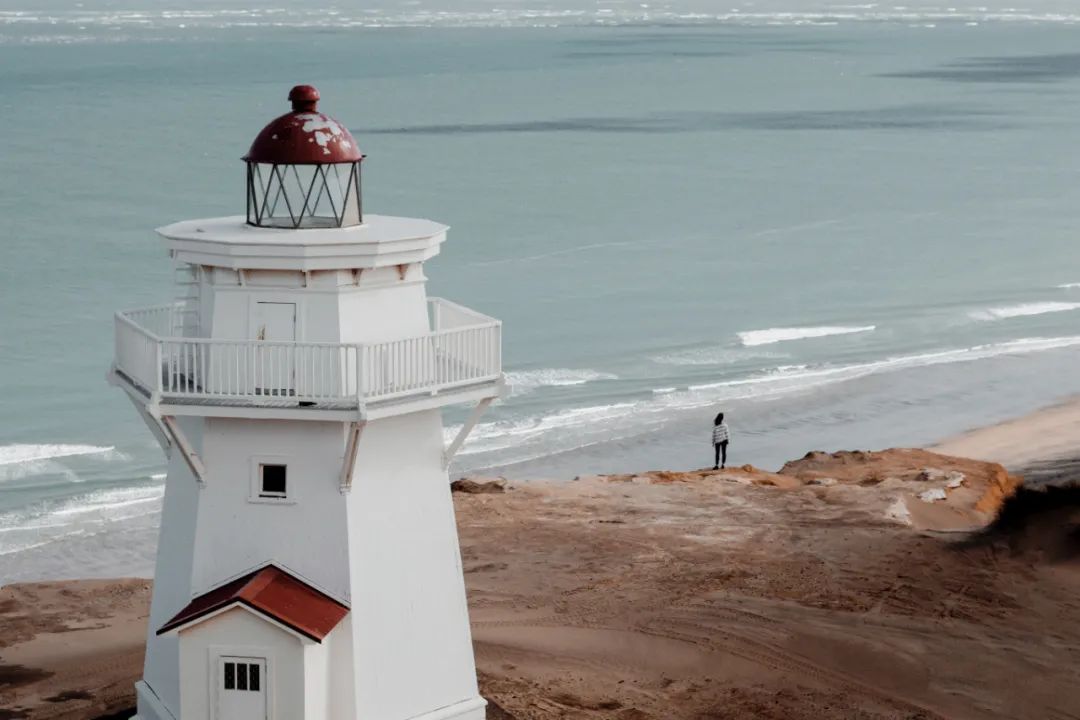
{"x":241,"y":688}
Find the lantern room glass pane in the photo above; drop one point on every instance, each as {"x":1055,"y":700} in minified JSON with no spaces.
{"x":304,"y":196}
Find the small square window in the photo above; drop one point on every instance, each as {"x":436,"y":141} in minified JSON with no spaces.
{"x":230,"y":676}
{"x":253,"y":677}
{"x":272,"y":481}
{"x":241,"y":676}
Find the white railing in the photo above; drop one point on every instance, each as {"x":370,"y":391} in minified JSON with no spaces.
{"x":446,"y":315}
{"x":157,"y":320}
{"x":464,"y":348}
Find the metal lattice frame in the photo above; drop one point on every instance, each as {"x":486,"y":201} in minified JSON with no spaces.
{"x":304,"y":196}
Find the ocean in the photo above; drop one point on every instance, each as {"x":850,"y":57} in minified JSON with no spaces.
{"x":846,"y":226}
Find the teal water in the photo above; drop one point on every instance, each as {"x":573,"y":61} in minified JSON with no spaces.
{"x":649,"y":204}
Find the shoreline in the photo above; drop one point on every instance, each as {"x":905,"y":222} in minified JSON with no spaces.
{"x":1046,"y":436}
{"x":752,"y":594}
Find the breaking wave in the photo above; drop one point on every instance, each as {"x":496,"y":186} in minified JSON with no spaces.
{"x":714,"y":356}
{"x":517,"y":440}
{"x":526,"y":381}
{"x":83,"y":514}
{"x":525,"y":434}
{"x":20,"y":453}
{"x":752,"y":338}
{"x":109,"y":503}
{"x":21,"y":462}
{"x":1022,"y":310}
{"x":800,"y":377}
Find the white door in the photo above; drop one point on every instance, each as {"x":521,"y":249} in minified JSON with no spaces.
{"x":241,"y":688}
{"x":275,"y":362}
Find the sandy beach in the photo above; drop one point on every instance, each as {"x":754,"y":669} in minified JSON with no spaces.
{"x":1048,"y":435}
{"x":865,"y":585}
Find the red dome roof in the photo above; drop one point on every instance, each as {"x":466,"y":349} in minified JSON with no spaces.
{"x":304,"y":136}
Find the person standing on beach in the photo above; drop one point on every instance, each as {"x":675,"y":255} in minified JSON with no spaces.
{"x":720,"y":437}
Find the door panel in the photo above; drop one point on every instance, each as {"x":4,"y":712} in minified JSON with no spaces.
{"x":275,"y":364}
{"x":241,"y":688}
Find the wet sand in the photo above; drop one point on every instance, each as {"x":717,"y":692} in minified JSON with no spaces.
{"x":809,"y":594}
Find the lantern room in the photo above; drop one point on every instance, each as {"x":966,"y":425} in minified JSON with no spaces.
{"x":303,"y":170}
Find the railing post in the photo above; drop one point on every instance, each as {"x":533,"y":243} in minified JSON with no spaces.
{"x":498,"y":348}
{"x":157,"y":364}
{"x":360,"y":376}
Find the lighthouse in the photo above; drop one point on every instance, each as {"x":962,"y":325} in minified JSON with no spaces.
{"x":308,"y":565}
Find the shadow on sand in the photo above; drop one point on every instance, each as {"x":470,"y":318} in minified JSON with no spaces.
{"x":1040,"y":523}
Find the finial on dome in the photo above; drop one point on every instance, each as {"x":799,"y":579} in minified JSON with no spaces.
{"x":304,"y":98}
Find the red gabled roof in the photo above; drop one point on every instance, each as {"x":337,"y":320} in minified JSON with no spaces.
{"x":272,"y":592}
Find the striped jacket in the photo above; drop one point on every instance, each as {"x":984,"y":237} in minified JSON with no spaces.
{"x":720,"y":433}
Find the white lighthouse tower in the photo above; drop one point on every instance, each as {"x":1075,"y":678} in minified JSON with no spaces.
{"x":308,"y":565}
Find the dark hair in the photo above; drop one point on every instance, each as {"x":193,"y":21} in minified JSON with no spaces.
{"x":719,"y":419}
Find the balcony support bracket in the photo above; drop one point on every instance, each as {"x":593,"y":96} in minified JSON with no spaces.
{"x":352,"y":445}
{"x":463,"y":433}
{"x":181,"y":442}
{"x":157,"y":429}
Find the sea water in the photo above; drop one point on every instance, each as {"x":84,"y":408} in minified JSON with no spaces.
{"x":845,"y":226}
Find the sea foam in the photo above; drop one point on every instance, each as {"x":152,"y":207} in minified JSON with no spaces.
{"x":1023,"y":310}
{"x":20,"y":453}
{"x":60,"y":25}
{"x":802,"y":377}
{"x":715,"y":355}
{"x":106,"y":503}
{"x":525,"y":381}
{"x":86,"y":514}
{"x":521,"y":439}
{"x":752,"y":338}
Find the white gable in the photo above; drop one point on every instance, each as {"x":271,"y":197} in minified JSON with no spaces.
{"x":240,"y":632}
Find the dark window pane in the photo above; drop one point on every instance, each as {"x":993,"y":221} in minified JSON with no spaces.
{"x":273,"y":481}
{"x":241,"y":676}
{"x":230,"y":676}
{"x":253,"y":678}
